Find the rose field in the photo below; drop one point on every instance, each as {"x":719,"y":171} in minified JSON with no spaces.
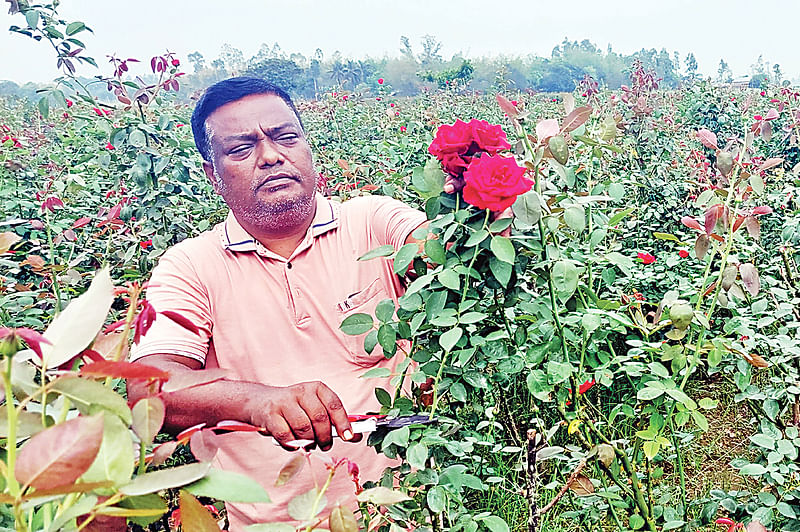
{"x":620,"y":353}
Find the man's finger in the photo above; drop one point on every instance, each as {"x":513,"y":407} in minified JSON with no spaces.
{"x":336,"y":413}
{"x":320,"y":420}
{"x":279,"y":429}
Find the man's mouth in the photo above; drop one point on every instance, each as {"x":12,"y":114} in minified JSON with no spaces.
{"x":277,"y":181}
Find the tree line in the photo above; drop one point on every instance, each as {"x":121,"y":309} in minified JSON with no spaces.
{"x":419,"y":66}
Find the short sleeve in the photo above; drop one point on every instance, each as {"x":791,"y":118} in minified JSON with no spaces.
{"x":392,"y":221}
{"x":175,"y":286}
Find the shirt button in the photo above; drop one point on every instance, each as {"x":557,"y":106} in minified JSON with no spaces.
{"x":289,"y":265}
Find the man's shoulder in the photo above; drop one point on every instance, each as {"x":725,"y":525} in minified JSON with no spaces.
{"x":361,"y":205}
{"x":201,"y":247}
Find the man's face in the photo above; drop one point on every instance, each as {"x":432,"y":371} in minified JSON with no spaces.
{"x":262,"y":164}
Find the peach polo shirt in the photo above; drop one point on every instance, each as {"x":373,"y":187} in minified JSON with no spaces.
{"x":276,"y":320}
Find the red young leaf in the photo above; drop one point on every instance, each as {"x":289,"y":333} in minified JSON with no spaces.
{"x":750,"y":278}
{"x":691,"y":223}
{"x":772,"y":114}
{"x":738,"y":223}
{"x":712,"y":215}
{"x":762,"y":209}
{"x":123,"y":370}
{"x":148,"y":417}
{"x":701,"y":246}
{"x":204,"y":445}
{"x":290,"y":469}
{"x":507,"y":107}
{"x":181,"y":320}
{"x":708,"y":138}
{"x":546,"y":129}
{"x":59,"y":455}
{"x":184,"y":436}
{"x":770,"y":163}
{"x":162,"y":452}
{"x":756,"y":526}
{"x":753,"y":227}
{"x":576,"y":118}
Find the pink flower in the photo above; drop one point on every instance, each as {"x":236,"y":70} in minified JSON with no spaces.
{"x":380,"y":81}
{"x":514,"y":103}
{"x":397,"y":113}
{"x":391,"y":105}
{"x":402,"y":129}
{"x":69,"y":102}
{"x":109,"y":146}
{"x":175,"y":62}
{"x":647,"y":258}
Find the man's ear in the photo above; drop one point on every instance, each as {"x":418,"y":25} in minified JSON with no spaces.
{"x":208,"y":168}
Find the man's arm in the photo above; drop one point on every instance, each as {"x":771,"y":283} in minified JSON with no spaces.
{"x":300,"y":411}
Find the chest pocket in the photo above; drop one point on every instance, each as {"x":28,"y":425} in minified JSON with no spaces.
{"x":363,"y":301}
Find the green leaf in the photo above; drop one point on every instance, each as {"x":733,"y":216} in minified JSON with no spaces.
{"x":665,"y":236}
{"x":377,"y":373}
{"x":357,"y":324}
{"x":527,"y":208}
{"x":437,"y":499}
{"x":762,"y":440}
{"x":270,"y":527}
{"x":75,"y":27}
{"x":472,"y":317}
{"x":753,"y":470}
{"x":672,"y":525}
{"x":397,"y":437}
{"x":387,"y":337}
{"x":495,"y":524}
{"x":449,"y":279}
{"x":306,"y":506}
{"x":449,"y":339}
{"x":151,"y":501}
{"x":88,"y":395}
{"x":618,"y":259}
{"x":428,"y":181}
{"x":32,"y":18}
{"x":370,"y":341}
{"x":503,"y":249}
{"x":402,"y":260}
{"x":76,"y":327}
{"x":500,"y":225}
{"x":614,"y":220}
{"x":383,"y":397}
{"x":786,"y":510}
{"x":228,"y":486}
{"x":458,"y":392}
{"x":417,"y":455}
{"x":137,"y":138}
{"x":636,"y":521}
{"x":476,"y":238}
{"x":648,"y":393}
{"x":114,"y":462}
{"x":44,"y":106}
{"x":385,"y":311}
{"x":575,"y":218}
{"x":501,"y":270}
{"x":435,"y":251}
{"x":381,"y":251}
{"x":651,"y":448}
{"x":565,"y":278}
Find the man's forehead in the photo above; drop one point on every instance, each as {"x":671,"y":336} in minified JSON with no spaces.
{"x":255,"y":110}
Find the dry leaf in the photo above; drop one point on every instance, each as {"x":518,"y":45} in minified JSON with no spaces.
{"x":581,"y":486}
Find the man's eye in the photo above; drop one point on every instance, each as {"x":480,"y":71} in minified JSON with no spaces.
{"x":289,"y":137}
{"x":239,"y":149}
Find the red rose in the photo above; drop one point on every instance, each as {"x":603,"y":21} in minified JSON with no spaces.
{"x":402,"y":129}
{"x":455,"y":139}
{"x":494,"y":182}
{"x":488,"y":137}
{"x":109,"y":146}
{"x":683,"y":253}
{"x":647,"y":258}
{"x":380,"y":81}
{"x":176,"y":62}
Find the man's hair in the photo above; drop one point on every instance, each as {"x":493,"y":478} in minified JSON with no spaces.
{"x":227,"y":91}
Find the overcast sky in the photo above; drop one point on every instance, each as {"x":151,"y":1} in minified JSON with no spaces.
{"x":736,"y":30}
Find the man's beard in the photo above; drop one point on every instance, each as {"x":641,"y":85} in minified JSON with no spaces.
{"x":275,"y":216}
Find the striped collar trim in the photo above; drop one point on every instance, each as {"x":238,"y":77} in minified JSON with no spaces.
{"x":233,"y":236}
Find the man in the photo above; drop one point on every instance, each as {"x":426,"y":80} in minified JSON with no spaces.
{"x":268,"y":289}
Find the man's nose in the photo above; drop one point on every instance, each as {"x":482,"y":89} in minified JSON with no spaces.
{"x":268,"y":153}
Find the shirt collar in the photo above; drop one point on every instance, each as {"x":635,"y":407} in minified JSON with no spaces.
{"x":233,"y":236}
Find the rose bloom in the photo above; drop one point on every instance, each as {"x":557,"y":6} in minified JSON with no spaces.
{"x":493,"y":182}
{"x":462,"y":140}
{"x":683,"y":253}
{"x":647,"y":258}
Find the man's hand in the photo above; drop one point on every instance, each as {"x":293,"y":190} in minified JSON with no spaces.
{"x":304,"y":411}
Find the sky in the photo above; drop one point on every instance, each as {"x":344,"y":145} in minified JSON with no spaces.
{"x":736,"y":30}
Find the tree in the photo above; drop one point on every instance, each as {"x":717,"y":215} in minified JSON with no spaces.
{"x":282,"y":72}
{"x":724,"y":74}
{"x":197,"y":61}
{"x":776,"y":69}
{"x":691,"y":66}
{"x":430,"y":50}
{"x":406,"y":50}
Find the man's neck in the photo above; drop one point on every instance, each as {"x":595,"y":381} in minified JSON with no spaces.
{"x":284,"y":241}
